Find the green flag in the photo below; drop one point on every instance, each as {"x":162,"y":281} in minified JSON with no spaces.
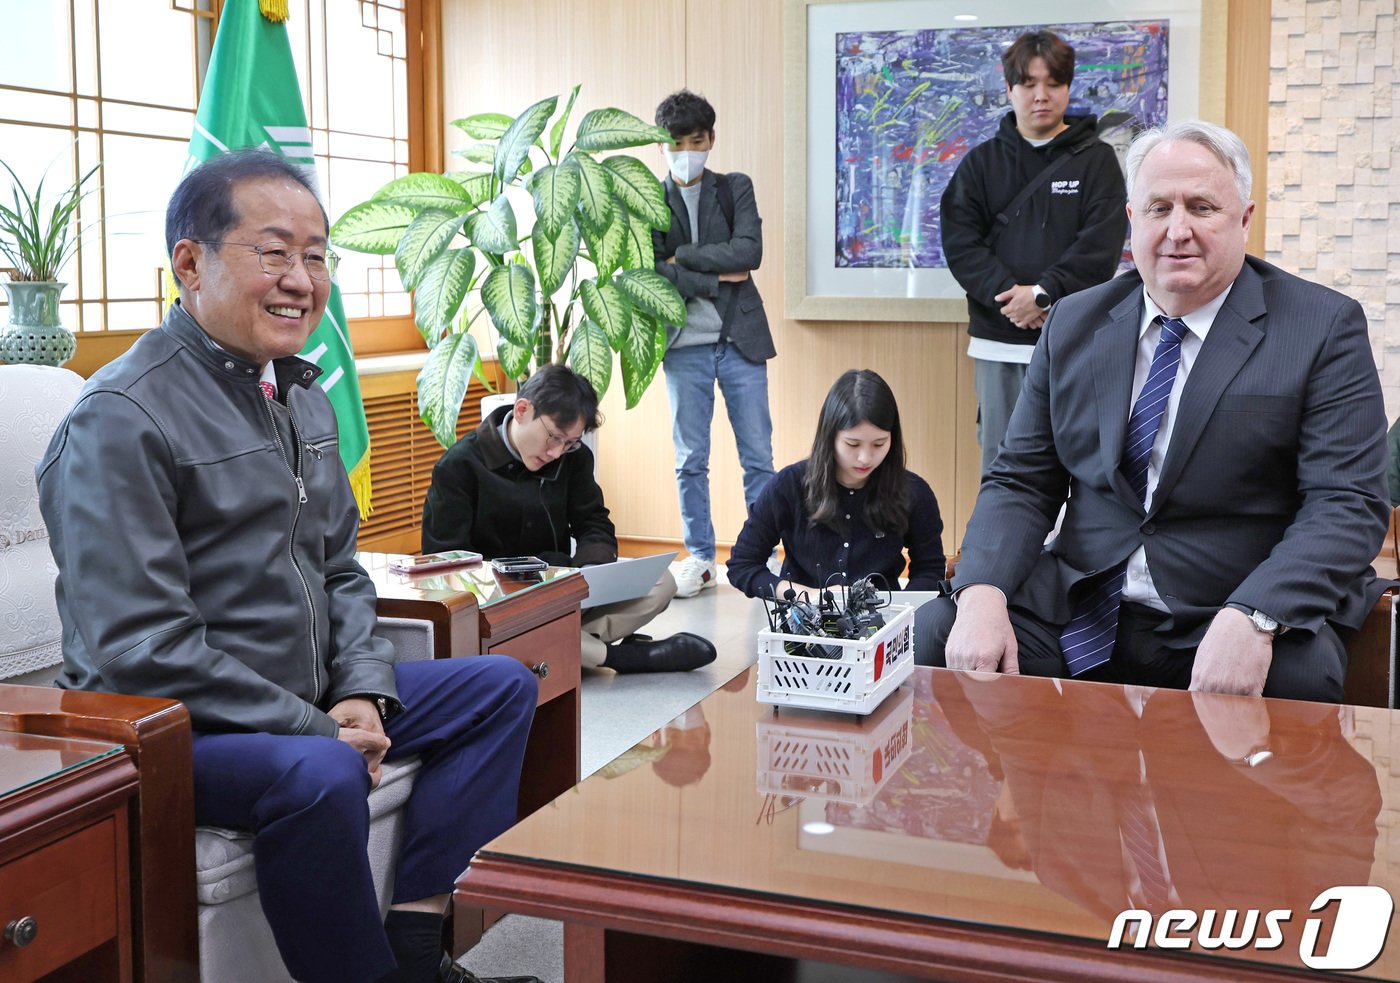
{"x":251,"y":98}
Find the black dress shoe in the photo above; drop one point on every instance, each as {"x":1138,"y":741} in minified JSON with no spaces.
{"x":450,"y":972}
{"x":679,"y":653}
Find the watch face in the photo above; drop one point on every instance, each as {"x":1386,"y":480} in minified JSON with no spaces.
{"x":1263,"y":622}
{"x":1042,"y":300}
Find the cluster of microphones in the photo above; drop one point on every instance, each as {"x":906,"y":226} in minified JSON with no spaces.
{"x":847,"y":612}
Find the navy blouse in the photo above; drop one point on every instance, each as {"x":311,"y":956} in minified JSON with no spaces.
{"x":818,"y":555}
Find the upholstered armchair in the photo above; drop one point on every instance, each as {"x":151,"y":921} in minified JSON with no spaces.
{"x":33,"y":400}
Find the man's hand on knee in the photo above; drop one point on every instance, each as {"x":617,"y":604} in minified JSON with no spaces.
{"x":361,"y":728}
{"x":1234,"y":657}
{"x":982,"y":637}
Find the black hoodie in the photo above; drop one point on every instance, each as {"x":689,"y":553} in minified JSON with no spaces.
{"x":1065,"y":237}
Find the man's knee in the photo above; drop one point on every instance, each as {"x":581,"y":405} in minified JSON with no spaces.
{"x":1308,"y":666}
{"x":330,"y":780}
{"x":932,"y":623}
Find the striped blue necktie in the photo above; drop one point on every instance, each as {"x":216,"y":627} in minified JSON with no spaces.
{"x":1087,"y":640}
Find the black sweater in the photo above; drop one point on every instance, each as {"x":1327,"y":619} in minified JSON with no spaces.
{"x":818,"y":555}
{"x":1067,"y":236}
{"x":484,"y":499}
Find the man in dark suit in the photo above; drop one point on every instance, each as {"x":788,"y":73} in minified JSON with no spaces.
{"x":1218,"y":429}
{"x":713,"y":245}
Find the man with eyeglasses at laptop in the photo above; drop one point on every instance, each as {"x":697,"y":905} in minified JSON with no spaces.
{"x":522,"y":483}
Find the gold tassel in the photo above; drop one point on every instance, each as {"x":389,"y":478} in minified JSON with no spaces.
{"x":361,"y":486}
{"x":273,"y":10}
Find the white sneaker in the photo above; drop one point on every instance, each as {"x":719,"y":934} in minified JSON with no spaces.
{"x":694,"y":574}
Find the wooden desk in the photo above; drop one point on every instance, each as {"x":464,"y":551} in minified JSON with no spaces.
{"x":975,"y":828}
{"x":156,"y":820}
{"x":475,"y":611}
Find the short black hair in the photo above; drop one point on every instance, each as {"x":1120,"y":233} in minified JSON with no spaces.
{"x":1057,"y":52}
{"x":202,"y":205}
{"x":560,"y":393}
{"x":683,"y":113}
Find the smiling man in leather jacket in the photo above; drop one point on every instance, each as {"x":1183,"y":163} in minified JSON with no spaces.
{"x":522,"y":483}
{"x":204,"y":531}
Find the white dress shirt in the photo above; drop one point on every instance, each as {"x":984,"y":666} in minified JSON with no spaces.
{"x":1137,"y":584}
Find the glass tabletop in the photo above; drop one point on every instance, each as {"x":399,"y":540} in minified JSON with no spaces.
{"x":1020,"y":803}
{"x":26,"y":759}
{"x":481,"y":579}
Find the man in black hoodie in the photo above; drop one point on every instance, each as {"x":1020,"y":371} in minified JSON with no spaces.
{"x":1016,"y":253}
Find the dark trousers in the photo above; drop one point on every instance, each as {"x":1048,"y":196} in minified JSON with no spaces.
{"x":1306,"y":666}
{"x":304,"y":799}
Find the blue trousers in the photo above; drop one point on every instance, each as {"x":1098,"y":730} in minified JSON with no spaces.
{"x":304,"y":799}
{"x":691,"y":375}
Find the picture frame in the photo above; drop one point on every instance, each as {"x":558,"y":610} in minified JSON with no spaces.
{"x":815,"y":286}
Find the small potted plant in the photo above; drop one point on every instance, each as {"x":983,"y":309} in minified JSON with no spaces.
{"x":572,"y":279}
{"x":37,"y":238}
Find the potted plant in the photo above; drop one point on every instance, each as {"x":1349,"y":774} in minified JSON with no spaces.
{"x":37,"y":239}
{"x":580,"y":285}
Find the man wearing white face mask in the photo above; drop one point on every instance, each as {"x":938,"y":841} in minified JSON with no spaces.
{"x":714,"y":242}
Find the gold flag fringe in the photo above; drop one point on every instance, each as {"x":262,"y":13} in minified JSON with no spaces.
{"x":273,"y":10}
{"x":361,"y":486}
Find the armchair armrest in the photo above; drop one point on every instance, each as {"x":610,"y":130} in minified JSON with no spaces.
{"x":156,"y":733}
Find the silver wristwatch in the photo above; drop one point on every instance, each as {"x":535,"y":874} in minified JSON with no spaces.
{"x":1262,"y":622}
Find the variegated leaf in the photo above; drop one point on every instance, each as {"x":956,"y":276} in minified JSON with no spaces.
{"x":508,"y":292}
{"x":372,"y":227}
{"x":606,"y":305}
{"x":424,"y":190}
{"x":639,"y":190}
{"x":520,"y":136}
{"x":484,"y":126}
{"x":442,"y":384}
{"x":595,"y":202}
{"x":426,"y":238}
{"x":556,"y":191}
{"x":556,"y":132}
{"x":493,"y":231}
{"x":514,"y":359}
{"x":638,"y":250}
{"x":654,"y":294}
{"x":476,"y":185}
{"x":441,"y":291}
{"x":605,"y":249}
{"x":590,"y":356}
{"x":554,"y":258}
{"x":641,"y":355}
{"x":613,"y":129}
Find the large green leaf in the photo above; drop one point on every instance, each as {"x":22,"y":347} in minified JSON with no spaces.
{"x":425,"y":190}
{"x":426,"y":238}
{"x":476,"y":185}
{"x":638,"y":250}
{"x":520,"y":136}
{"x":514,"y":359}
{"x":484,"y":126}
{"x":654,"y":294}
{"x":478,"y":153}
{"x":493,"y":231}
{"x":556,"y":191}
{"x":595,"y":202}
{"x":613,"y":129}
{"x":605,"y":248}
{"x":372,"y":227}
{"x":639,"y":190}
{"x":554,"y":258}
{"x":508,"y":292}
{"x":590,"y":356}
{"x":440,"y":292}
{"x":641,"y":355}
{"x":606,"y":305}
{"x":442,"y":384}
{"x":556,"y":132}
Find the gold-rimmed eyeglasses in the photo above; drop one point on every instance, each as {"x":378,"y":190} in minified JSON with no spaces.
{"x":277,"y":258}
{"x":558,"y":439}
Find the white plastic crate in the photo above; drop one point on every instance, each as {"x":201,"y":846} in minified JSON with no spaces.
{"x":867,"y":671}
{"x":836,"y":759}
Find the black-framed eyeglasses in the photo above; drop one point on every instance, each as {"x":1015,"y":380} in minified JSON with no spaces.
{"x":558,"y":439}
{"x":277,"y":259}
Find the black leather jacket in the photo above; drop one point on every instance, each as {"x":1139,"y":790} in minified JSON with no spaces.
{"x":194,"y":563}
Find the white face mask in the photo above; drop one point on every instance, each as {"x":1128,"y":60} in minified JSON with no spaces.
{"x":686,"y":165}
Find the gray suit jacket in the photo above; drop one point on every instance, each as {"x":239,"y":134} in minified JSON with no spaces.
{"x":720,"y":250}
{"x":1272,"y":492}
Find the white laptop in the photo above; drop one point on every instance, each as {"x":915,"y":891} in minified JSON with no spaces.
{"x":624,"y":579}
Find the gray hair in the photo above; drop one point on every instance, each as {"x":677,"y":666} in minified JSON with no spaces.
{"x":1228,"y":148}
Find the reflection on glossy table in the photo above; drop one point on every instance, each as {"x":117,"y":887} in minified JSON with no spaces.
{"x":973,"y":827}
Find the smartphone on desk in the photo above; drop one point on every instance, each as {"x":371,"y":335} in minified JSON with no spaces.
{"x":518,"y":564}
{"x":432,"y":562}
